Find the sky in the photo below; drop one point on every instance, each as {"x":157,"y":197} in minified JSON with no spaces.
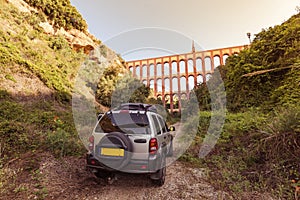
{"x":138,"y":29}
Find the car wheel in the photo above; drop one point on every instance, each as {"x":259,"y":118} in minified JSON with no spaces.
{"x":102,"y":174}
{"x":161,"y":173}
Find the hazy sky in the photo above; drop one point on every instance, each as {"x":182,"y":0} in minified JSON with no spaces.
{"x":139,"y":28}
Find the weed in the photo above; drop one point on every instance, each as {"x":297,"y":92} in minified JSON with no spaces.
{"x":242,"y":160}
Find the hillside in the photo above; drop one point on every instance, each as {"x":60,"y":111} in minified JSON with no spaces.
{"x":258,"y":149}
{"x":40,"y":56}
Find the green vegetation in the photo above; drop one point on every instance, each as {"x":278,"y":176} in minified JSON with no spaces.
{"x":267,"y":74}
{"x":36,"y":82}
{"x":61,"y":13}
{"x":259,"y":147}
{"x":117,"y":86}
{"x":27,"y":51}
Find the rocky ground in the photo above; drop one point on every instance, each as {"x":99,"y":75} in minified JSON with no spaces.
{"x":46,"y":177}
{"x":68,"y":179}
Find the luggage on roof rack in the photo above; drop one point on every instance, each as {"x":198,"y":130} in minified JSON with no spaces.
{"x":137,"y":106}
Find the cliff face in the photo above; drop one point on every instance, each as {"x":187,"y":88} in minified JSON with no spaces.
{"x":77,"y":39}
{"x":38,"y":58}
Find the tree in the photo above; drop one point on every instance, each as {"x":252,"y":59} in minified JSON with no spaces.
{"x":118,"y":86}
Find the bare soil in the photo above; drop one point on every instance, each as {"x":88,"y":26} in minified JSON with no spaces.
{"x":46,"y":177}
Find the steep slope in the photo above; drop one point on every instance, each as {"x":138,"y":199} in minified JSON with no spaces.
{"x":39,"y":61}
{"x":40,"y":57}
{"x":258,"y":148}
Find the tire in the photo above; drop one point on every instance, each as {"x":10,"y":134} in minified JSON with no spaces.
{"x":102,"y":174}
{"x":161,"y":173}
{"x":115,"y":140}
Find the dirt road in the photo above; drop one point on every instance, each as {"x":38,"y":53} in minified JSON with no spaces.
{"x":70,"y":180}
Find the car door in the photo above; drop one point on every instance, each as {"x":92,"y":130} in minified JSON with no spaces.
{"x":158,"y":132}
{"x":166,"y":136}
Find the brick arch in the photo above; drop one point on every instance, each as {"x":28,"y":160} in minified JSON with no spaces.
{"x":175,"y":101}
{"x":151,"y":70}
{"x":144,"y":71}
{"x":208,"y":76}
{"x":137,"y":71}
{"x":217,"y":60}
{"x":166,"y":69}
{"x":199,"y":64}
{"x":159,"y":69}
{"x":167,"y":101}
{"x":191,"y":82}
{"x":224,"y":57}
{"x":182,"y":66}
{"x":190,"y":65}
{"x":152,"y":84}
{"x":144,"y":81}
{"x":180,"y":69}
{"x":174,"y":65}
{"x":183,"y":83}
{"x":199,"y":79}
{"x":183,"y":96}
{"x":159,"y":85}
{"x":175,"y":87}
{"x":208,"y":63}
{"x":167,"y":85}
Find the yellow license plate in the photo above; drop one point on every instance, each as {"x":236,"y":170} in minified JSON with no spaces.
{"x":112,"y":152}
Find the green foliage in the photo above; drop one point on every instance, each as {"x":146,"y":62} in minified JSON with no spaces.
{"x":107,"y":84}
{"x":129,"y":89}
{"x":264,"y":74}
{"x":61,"y":12}
{"x":22,"y":128}
{"x":62,"y":140}
{"x":31,"y":51}
{"x":58,"y":43}
{"x":26,"y":50}
{"x":256,"y":151}
{"x":203,"y":96}
{"x":117,"y":86}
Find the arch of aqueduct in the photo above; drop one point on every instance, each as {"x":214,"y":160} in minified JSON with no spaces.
{"x":173,"y":77}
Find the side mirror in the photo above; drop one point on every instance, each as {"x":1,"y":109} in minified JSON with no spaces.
{"x":100,"y":115}
{"x":171,"y":128}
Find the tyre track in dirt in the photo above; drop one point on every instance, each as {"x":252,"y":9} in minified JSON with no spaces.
{"x":70,"y":180}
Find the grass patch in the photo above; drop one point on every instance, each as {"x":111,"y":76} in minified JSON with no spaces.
{"x":256,"y":151}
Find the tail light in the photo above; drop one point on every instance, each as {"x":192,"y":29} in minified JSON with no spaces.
{"x":91,"y":143}
{"x":153,"y":146}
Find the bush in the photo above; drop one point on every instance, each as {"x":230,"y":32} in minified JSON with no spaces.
{"x":256,"y":151}
{"x":61,"y":12}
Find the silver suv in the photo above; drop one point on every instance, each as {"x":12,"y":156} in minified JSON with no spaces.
{"x":132,"y":138}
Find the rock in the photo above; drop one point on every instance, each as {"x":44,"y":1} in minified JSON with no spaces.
{"x":77,"y":39}
{"x":22,"y":6}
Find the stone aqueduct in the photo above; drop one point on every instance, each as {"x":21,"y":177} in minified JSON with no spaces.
{"x":173,"y":77}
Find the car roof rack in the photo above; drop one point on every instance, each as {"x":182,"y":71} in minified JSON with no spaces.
{"x":137,"y":106}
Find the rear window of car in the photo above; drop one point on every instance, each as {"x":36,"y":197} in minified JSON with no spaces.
{"x":123,"y":122}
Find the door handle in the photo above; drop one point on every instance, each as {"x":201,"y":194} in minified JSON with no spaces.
{"x":140,"y":140}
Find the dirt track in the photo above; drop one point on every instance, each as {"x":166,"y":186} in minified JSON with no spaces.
{"x":71,"y":181}
{"x":45,"y":177}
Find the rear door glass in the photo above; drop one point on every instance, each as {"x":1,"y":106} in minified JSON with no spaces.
{"x":157,"y":128}
{"x":123,"y":122}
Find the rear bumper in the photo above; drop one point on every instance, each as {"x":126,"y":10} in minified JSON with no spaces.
{"x":134,"y":166}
